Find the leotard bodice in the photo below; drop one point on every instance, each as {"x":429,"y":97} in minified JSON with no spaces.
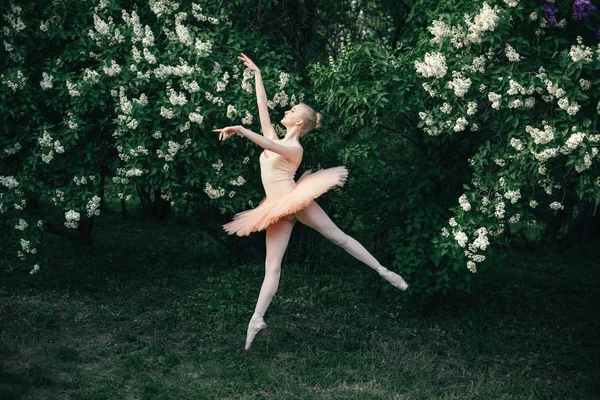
{"x":277,"y":174}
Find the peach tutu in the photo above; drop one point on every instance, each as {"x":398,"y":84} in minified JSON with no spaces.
{"x":284,"y":196}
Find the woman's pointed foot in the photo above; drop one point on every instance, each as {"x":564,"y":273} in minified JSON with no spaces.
{"x":393,"y":278}
{"x":256,"y":325}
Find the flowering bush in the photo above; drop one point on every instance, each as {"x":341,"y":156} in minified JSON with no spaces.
{"x":528,"y":84}
{"x":94,"y":89}
{"x":513,"y":88}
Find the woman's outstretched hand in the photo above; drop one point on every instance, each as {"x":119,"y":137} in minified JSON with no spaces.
{"x":248,"y":63}
{"x":227,"y":132}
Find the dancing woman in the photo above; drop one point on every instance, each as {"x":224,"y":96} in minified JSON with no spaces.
{"x":287,"y":201}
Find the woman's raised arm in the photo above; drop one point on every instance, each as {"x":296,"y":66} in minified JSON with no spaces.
{"x":261,"y":98}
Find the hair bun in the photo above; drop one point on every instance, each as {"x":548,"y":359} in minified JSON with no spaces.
{"x":318,"y":121}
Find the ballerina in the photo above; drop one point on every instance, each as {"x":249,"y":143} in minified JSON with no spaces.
{"x":288,"y":201}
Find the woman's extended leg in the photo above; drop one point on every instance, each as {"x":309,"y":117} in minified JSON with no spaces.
{"x":278,"y":236}
{"x":314,"y":217}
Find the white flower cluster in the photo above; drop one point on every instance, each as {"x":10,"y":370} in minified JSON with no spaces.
{"x":123,"y":197}
{"x":90,"y":76}
{"x":58,"y":198}
{"x":585,"y":84}
{"x":191,"y":87}
{"x":516,"y":88}
{"x":495,"y":98}
{"x":247,"y":120}
{"x":196,"y":12}
{"x":13,"y":17}
{"x":93,"y":207}
{"x":246,"y":160}
{"x":587,"y":163}
{"x":464,"y":203}
{"x":427,"y":87}
{"x":511,"y":53}
{"x":459,"y":84}
{"x":22,"y":225}
{"x":222,"y":85}
{"x":500,"y":161}
{"x":139,"y":150}
{"x":25,"y":245}
{"x":429,"y":127}
{"x":173,"y":149}
{"x":13,"y":150}
{"x":499,"y":210}
{"x":546,"y":154}
{"x":134,"y":172}
{"x":163,"y":7}
{"x":539,"y":136}
{"x":480,"y":242}
{"x":149,"y":57}
{"x":581,"y":52}
{"x":434,"y":65}
{"x":83,"y":181}
{"x":157,"y":135}
{"x":214,"y":99}
{"x":47,"y":142}
{"x":471,"y":108}
{"x":572,"y":142}
{"x":218,"y":165}
{"x":166,"y":113}
{"x":246,"y":76}
{"x":46,"y":82}
{"x":18,"y":82}
{"x":113,"y":70}
{"x":557,"y":206}
{"x":177,"y":99}
{"x":440,"y":30}
{"x":513,"y":195}
{"x":446,"y":108}
{"x":461,"y":124}
{"x":213,"y":193}
{"x":461,"y":238}
{"x":485,"y":21}
{"x":512,"y":3}
{"x":196,"y":116}
{"x":72,"y":218}
{"x":283,"y":79}
{"x":517,"y":144}
{"x":282,"y":98}
{"x":203,"y":48}
{"x":183,"y":34}
{"x":231,"y":111}
{"x":571,"y":108}
{"x":238,"y":182}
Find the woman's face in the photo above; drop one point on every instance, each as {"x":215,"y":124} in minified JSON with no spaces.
{"x":292,"y":116}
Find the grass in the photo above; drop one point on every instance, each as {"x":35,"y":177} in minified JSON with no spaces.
{"x":151,"y":312}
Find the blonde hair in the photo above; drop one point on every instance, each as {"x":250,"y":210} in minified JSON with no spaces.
{"x":312,"y":119}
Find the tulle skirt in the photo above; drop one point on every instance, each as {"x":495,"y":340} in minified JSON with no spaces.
{"x":308,"y":187}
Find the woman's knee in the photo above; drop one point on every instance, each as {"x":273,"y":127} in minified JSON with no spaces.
{"x":273,"y":265}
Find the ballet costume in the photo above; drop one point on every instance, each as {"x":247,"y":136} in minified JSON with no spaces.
{"x":284,"y":198}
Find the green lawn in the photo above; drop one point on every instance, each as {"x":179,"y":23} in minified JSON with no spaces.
{"x":145,"y":313}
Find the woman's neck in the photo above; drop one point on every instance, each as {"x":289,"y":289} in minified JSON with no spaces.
{"x":292,"y":134}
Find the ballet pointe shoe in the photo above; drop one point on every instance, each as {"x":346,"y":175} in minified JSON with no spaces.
{"x":256,"y":325}
{"x":393,"y":278}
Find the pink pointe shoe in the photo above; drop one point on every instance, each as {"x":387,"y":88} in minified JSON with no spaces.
{"x":256,"y":325}
{"x":392,"y":277}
